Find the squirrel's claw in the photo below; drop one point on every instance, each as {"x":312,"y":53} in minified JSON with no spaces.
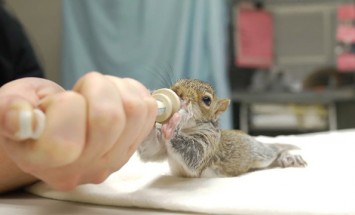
{"x":290,"y":160}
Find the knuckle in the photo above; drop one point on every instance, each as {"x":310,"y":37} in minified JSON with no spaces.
{"x":115,"y":163}
{"x":104,"y":115}
{"x":91,"y":75}
{"x":67,"y":183}
{"x":121,"y":161}
{"x":28,"y":167}
{"x":64,"y":187}
{"x":132,"y":148}
{"x":100,"y":177}
{"x":68,"y":96}
{"x":54,"y":154}
{"x":138,"y":86}
{"x":134,"y":107}
{"x":86,"y":80}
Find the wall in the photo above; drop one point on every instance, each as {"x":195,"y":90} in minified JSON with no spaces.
{"x":42,"y":21}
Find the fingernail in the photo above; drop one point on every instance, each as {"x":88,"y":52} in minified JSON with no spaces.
{"x":19,"y":123}
{"x":25,"y":124}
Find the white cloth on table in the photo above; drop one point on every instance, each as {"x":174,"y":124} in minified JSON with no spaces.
{"x":325,"y":186}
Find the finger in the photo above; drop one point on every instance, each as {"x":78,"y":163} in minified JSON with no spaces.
{"x":132,"y":95}
{"x":105,"y":113}
{"x":141,"y":89}
{"x":140,"y":110}
{"x":100,"y":93}
{"x":151,"y":106}
{"x":147,"y":125}
{"x":104,"y":166}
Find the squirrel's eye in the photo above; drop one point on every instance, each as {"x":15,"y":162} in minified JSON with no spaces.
{"x":207,"y":100}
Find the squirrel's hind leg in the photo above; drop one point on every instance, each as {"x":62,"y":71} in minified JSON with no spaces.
{"x":287,"y":159}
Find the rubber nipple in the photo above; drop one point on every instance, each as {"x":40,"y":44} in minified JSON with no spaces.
{"x":168,"y":103}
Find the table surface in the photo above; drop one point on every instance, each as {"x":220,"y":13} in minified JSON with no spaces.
{"x":22,"y":203}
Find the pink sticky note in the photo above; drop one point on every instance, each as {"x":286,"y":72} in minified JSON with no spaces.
{"x":254,"y":38}
{"x":346,"y":62}
{"x":346,"y":12}
{"x":346,"y":33}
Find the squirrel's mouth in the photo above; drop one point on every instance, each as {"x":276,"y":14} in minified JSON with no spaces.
{"x":185,"y":100}
{"x":184,"y":104}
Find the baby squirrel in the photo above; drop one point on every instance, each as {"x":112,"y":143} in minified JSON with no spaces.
{"x":195,"y":146}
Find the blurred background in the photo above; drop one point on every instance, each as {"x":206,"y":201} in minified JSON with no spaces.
{"x":287,"y":65}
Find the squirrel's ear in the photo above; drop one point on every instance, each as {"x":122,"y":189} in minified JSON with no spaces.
{"x":222,"y":106}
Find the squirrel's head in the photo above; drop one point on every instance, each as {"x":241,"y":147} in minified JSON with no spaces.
{"x":202,"y":97}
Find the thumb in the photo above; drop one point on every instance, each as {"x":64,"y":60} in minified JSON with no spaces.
{"x":17,"y":123}
{"x":17,"y":102}
{"x":19,"y":120}
{"x":55,"y":139}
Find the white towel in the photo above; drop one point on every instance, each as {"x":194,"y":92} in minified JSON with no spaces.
{"x":325,"y":186}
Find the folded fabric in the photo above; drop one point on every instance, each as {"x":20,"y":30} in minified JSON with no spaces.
{"x":325,"y":186}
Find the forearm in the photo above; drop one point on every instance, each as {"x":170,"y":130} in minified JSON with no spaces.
{"x":11,"y":176}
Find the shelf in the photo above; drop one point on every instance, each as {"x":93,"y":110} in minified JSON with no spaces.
{"x":326,"y":96}
{"x":330,"y":98}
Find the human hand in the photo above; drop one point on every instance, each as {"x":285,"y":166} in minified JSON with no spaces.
{"x":90,"y":131}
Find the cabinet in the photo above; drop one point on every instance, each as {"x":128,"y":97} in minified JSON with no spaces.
{"x":335,"y":101}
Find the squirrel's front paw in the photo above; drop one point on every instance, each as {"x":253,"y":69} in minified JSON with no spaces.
{"x":176,"y":122}
{"x":290,"y":160}
{"x":168,"y":128}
